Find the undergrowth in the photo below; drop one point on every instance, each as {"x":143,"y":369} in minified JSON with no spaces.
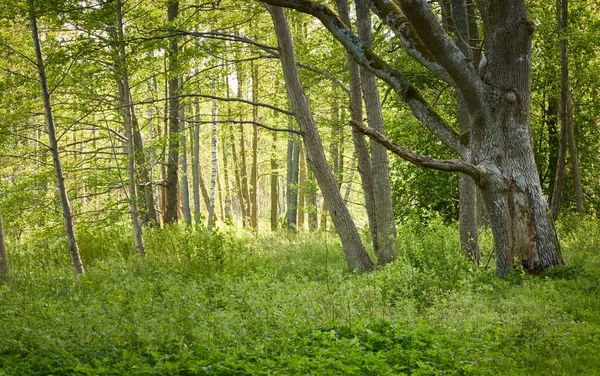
{"x":237,"y":303}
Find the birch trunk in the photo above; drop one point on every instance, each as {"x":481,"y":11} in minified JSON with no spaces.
{"x":214,"y":166}
{"x":254,"y":168}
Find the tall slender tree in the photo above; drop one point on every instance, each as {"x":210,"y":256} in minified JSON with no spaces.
{"x":58,"y":171}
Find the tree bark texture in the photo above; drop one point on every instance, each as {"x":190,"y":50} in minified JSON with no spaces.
{"x":254,"y":168}
{"x":355,"y":252}
{"x":497,"y":98}
{"x":60,"y":180}
{"x":274,"y":185}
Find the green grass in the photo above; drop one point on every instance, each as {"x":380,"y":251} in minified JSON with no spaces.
{"x":234,"y":303}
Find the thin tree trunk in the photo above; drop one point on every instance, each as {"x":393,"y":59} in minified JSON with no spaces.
{"x":355,"y":252}
{"x":152,"y":156}
{"x":214,"y":164}
{"x":60,"y":180}
{"x":185,"y":187}
{"x":301,"y":188}
{"x":220,"y":191}
{"x":174,"y":135}
{"x":311,"y":201}
{"x":4,"y":267}
{"x":382,"y":190}
{"x":274,"y":185}
{"x":292,"y":182}
{"x":360,"y":145}
{"x":238,"y":180}
{"x":467,"y":189}
{"x":566,"y":113}
{"x":243,"y":166}
{"x":196,"y":163}
{"x":254,"y":168}
{"x":128,"y":125}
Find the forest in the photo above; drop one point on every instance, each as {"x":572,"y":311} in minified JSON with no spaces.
{"x":299,"y":187}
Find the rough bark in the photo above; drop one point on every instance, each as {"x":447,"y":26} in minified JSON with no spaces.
{"x":382,"y":190}
{"x":356,"y":256}
{"x":172,"y":183}
{"x":498,"y":102}
{"x":60,"y":180}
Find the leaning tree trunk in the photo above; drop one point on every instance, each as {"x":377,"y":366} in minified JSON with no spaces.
{"x":360,"y":145}
{"x":60,"y":180}
{"x":382,"y":190}
{"x":355,"y":252}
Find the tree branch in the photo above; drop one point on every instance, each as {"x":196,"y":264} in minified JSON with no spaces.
{"x":371,"y":61}
{"x":453,"y":165}
{"x":231,"y":121}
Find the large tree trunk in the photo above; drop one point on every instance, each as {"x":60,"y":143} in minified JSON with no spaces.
{"x":382,"y":190}
{"x":60,"y":180}
{"x":524,"y":234}
{"x":356,"y":256}
{"x":174,"y":136}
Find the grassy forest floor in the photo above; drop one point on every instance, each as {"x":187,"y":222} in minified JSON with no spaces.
{"x":236,"y":304}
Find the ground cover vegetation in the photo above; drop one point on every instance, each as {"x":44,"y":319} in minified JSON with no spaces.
{"x":299,"y":187}
{"x":225,"y":304}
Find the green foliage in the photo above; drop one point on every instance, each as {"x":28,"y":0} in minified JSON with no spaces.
{"x":235,"y":303}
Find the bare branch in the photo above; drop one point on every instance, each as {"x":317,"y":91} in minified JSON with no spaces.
{"x":230,"y":121}
{"x":453,"y":165}
{"x":371,"y":61}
